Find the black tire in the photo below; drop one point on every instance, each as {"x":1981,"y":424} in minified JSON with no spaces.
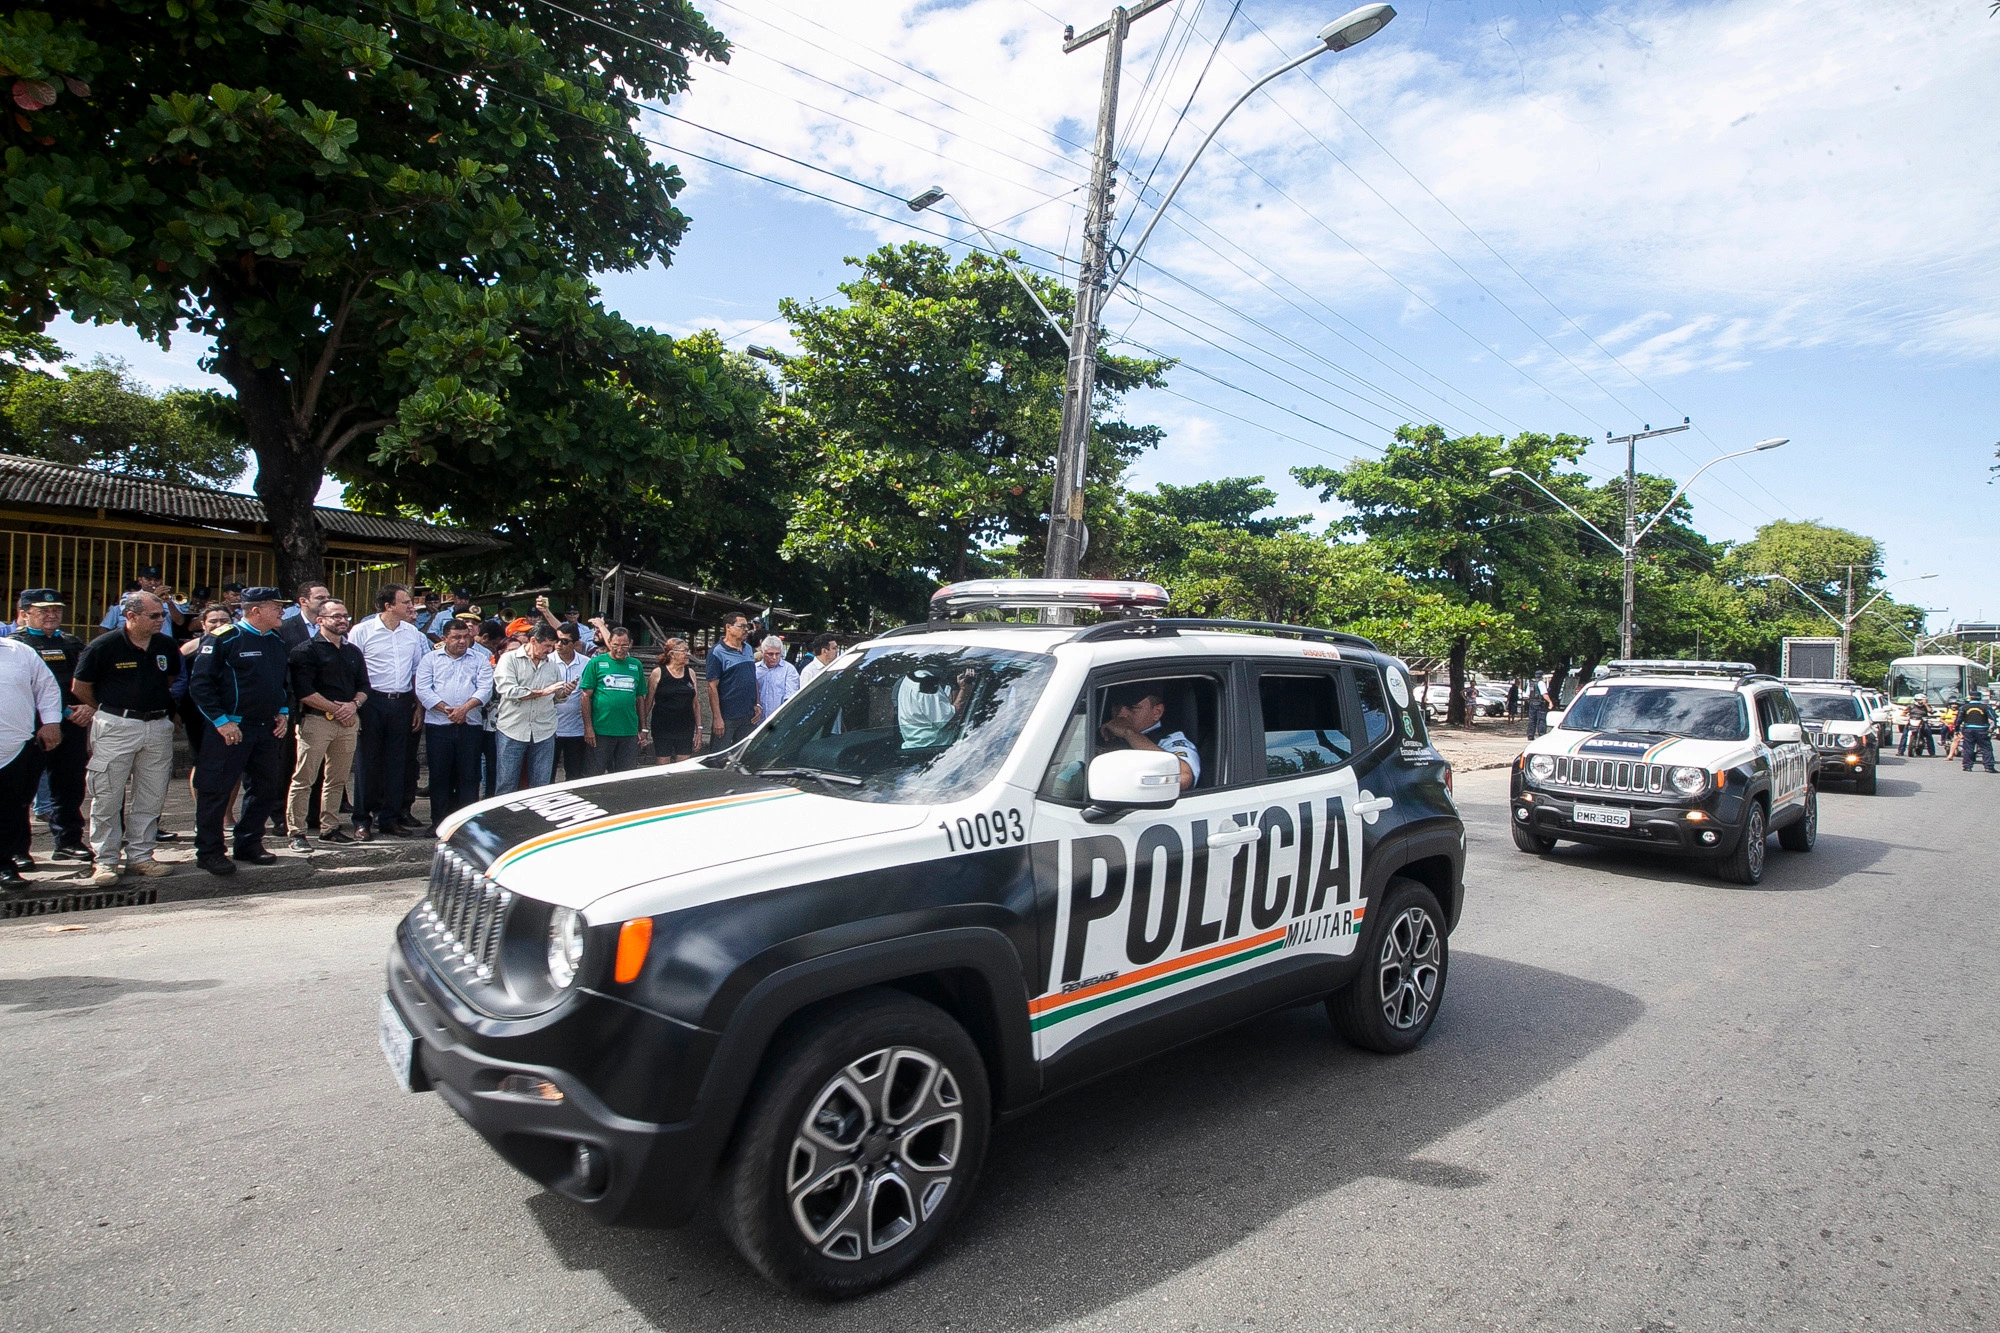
{"x":1864,"y":781}
{"x":819,"y":1145}
{"x":1803,"y":832}
{"x":1745,"y":865}
{"x":1405,"y":958}
{"x":1528,"y":840}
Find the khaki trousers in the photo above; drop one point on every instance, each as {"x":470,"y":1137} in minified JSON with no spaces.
{"x":125,"y":750}
{"x":321,"y":741}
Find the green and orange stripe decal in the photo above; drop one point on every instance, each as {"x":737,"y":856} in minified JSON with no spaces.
{"x":635,"y":819}
{"x":1051,"y":1009}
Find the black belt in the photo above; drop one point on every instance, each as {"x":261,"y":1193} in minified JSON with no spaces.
{"x":385,"y":694}
{"x":139,"y":714}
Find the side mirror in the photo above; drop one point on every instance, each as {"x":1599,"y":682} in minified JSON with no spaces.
{"x":1124,"y":780}
{"x":1879,"y":715}
{"x":1786,"y":733}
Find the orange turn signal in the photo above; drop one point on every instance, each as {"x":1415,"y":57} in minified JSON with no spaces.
{"x":634,"y":938}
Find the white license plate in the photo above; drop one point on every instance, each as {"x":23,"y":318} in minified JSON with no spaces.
{"x":399,"y":1044}
{"x":1603,"y":816}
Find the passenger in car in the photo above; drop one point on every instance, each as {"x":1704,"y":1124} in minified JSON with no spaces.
{"x":1134,"y":723}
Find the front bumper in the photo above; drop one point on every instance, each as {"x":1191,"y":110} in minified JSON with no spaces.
{"x":636,"y":1170}
{"x":1657,"y":826}
{"x":1837,"y":762}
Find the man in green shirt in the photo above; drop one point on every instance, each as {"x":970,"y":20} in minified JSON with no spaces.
{"x":614,"y":700}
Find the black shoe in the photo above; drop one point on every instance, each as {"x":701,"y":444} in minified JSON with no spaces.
{"x":338,"y":835}
{"x":392,"y":829}
{"x":215,"y":863}
{"x":300,"y":844}
{"x":24,"y":863}
{"x":164,"y":836}
{"x":73,"y":852}
{"x":363,"y":832}
{"x":11,"y":881}
{"x":256,"y":856}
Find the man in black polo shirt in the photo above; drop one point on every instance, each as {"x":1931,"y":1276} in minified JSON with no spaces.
{"x":41,"y":629}
{"x":329,"y":676}
{"x":128,"y":675}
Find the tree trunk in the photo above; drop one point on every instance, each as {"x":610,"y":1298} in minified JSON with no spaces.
{"x":1455,"y":711}
{"x":290,"y":467}
{"x":1586,"y":669}
{"x":1556,"y":679}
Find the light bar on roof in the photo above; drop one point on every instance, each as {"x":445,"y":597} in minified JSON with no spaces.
{"x":1678,"y":666}
{"x":1130,"y":598}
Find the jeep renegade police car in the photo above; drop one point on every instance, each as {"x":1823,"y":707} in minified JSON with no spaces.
{"x":1839,"y":722}
{"x":1702,"y":759}
{"x":969,"y":866}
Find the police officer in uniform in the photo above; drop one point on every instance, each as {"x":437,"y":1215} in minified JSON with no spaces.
{"x":241,"y":684}
{"x":41,"y":629}
{"x":1134,"y":723}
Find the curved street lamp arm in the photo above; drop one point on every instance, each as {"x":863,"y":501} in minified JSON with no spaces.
{"x":1181,"y":179}
{"x":1001,"y":255}
{"x":1616,"y":546}
{"x":1668,"y":507}
{"x":1808,"y":596}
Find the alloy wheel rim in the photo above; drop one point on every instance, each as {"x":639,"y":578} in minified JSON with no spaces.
{"x":875,"y":1153}
{"x":1407,"y":974}
{"x":1756,"y":836}
{"x":1812,"y":819}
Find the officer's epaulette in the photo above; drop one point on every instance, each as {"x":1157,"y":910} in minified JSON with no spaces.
{"x":224,"y":632}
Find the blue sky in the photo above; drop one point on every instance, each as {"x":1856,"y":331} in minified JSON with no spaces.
{"x":1773,"y":217}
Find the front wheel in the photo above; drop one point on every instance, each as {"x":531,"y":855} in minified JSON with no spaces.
{"x":1745,"y":865}
{"x":859,"y":1145}
{"x":1528,"y":840}
{"x":1801,"y":834}
{"x":1389,"y":1006}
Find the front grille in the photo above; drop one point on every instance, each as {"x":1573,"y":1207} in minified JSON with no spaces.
{"x":1620,"y":775}
{"x":461,"y":918}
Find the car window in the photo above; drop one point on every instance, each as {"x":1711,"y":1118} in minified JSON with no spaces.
{"x":1301,"y":724}
{"x":1179,"y":714}
{"x":1660,"y":710}
{"x":1376,"y":718}
{"x":1769,"y":713}
{"x":903,"y":723}
{"x":1829,"y":707}
{"x":1064,"y":778}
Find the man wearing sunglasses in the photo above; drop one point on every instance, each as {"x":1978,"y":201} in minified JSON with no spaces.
{"x":127,"y":675}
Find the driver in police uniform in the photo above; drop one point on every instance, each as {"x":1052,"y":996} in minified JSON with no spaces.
{"x":1134,"y":724}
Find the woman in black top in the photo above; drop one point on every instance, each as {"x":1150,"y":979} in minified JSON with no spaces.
{"x":676,"y":716}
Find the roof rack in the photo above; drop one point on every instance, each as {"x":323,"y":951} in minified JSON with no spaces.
{"x":1679,"y":666}
{"x":1151,"y":626}
{"x":1843,"y":682}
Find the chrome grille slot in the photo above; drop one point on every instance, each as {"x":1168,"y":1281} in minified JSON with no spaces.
{"x":1611,"y":775}
{"x":462,"y":917}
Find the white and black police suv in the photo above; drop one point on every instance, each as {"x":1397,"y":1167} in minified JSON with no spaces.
{"x":1701,"y":759}
{"x":1839,"y":721}
{"x":971,"y":865}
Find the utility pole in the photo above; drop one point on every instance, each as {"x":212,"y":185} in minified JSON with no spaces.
{"x":1630,"y":547}
{"x":1847,"y":625}
{"x":1067,"y":536}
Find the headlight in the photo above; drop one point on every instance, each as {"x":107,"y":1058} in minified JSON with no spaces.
{"x":1541,"y":767}
{"x":565,"y":946}
{"x":1853,"y":742}
{"x":1689,"y":781}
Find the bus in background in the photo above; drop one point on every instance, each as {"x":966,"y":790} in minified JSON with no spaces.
{"x":1939,"y":679}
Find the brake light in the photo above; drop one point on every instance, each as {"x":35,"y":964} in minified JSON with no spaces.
{"x":1447,"y":779}
{"x":635,"y":937}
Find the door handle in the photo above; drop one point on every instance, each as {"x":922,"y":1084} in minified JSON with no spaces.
{"x":1234,"y":835}
{"x":1372,"y":805}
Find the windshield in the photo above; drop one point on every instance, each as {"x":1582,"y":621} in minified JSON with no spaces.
{"x":1663,"y":710}
{"x":1828,"y":707}
{"x":1934,"y":680}
{"x":903,"y":724}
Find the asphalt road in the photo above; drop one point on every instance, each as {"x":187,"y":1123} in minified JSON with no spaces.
{"x":1651,"y":1101}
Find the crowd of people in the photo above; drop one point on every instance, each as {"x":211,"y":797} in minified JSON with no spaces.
{"x":299,"y":711}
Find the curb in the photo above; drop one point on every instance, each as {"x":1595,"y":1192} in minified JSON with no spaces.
{"x":56,"y":893}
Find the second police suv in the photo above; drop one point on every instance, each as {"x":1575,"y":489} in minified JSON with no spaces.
{"x":970,"y":865}
{"x":1696,"y":759}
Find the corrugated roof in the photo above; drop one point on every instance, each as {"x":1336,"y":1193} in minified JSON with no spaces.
{"x":36,"y":481}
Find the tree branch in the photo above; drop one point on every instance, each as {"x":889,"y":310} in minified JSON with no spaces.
{"x":309,"y":403}
{"x":346,"y":437}
{"x":333,"y":421}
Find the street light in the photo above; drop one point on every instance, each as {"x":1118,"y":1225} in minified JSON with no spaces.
{"x":1628,"y":548}
{"x":1066,"y":534}
{"x":1846,"y":622}
{"x":938,"y":194}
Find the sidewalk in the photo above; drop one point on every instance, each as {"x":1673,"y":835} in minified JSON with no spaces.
{"x":1491,"y":742}
{"x":64,"y":886}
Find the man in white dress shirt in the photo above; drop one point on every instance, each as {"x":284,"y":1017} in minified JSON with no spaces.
{"x":31,"y":710}
{"x":391,"y":645}
{"x":454,"y":687}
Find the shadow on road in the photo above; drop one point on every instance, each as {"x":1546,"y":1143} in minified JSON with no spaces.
{"x":1116,"y":1187}
{"x":43,"y":995}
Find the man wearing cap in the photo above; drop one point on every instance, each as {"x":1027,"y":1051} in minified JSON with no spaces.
{"x":30,"y":726}
{"x":241,"y":683}
{"x":41,"y":629}
{"x":128,"y":675}
{"x":392,"y":647}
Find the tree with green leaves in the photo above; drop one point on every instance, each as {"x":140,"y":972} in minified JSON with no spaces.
{"x":384,"y":214}
{"x":101,"y":416}
{"x":1429,"y":503}
{"x":931,"y":403}
{"x":1158,"y":529}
